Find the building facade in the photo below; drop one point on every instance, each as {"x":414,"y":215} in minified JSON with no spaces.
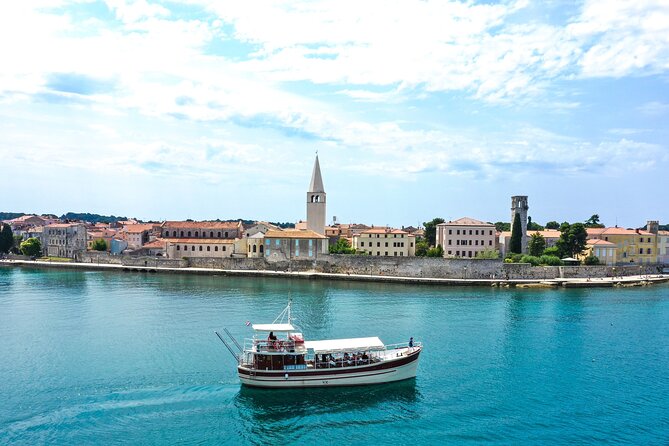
{"x":551,"y":236}
{"x":316,"y":204}
{"x":465,"y":237}
{"x":201,"y":229}
{"x":632,"y":245}
{"x":386,"y":242}
{"x":179,"y":248}
{"x":603,"y":250}
{"x":64,"y":239}
{"x":294,"y":244}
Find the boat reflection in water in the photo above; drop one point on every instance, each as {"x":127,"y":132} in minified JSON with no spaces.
{"x":284,"y":416}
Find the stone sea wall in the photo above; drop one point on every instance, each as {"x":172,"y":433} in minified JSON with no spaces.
{"x":414,"y":267}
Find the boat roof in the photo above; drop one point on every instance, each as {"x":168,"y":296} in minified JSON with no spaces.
{"x":273,"y":327}
{"x":345,"y":345}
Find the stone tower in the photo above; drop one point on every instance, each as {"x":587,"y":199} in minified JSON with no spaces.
{"x":653,"y":226}
{"x":316,"y":201}
{"x":519,"y":205}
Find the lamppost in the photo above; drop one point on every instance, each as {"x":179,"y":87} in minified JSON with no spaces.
{"x":465,"y":272}
{"x":614,"y":272}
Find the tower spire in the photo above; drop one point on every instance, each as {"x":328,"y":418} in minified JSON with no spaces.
{"x":316,"y":179}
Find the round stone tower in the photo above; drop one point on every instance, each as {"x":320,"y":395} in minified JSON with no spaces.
{"x":653,"y":226}
{"x":519,"y":206}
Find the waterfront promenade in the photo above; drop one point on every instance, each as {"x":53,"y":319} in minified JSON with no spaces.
{"x":594,"y":282}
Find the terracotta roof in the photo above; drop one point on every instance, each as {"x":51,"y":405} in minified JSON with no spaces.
{"x":383,"y":231}
{"x":663,"y":233}
{"x":202,"y":241}
{"x":137,"y":228}
{"x":157,"y":243}
{"x":615,"y":231}
{"x":201,"y":224}
{"x":466,"y":221}
{"x":64,"y":225}
{"x":596,"y":241}
{"x":294,"y":233}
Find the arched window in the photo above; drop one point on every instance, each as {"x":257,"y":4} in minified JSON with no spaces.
{"x":182,"y":233}
{"x":177,"y":247}
{"x":261,"y":249}
{"x":189,"y":234}
{"x":254,"y":248}
{"x":174,"y":233}
{"x":200,"y":248}
{"x":192,"y":248}
{"x":211,"y":234}
{"x":219,"y":234}
{"x":208,"y":248}
{"x":215,"y":248}
{"x":196,"y":234}
{"x":226,"y":234}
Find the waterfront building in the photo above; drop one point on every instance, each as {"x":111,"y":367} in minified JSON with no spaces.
{"x":201,"y":229}
{"x":25,"y":222}
{"x":117,"y":246}
{"x":605,"y":251}
{"x":632,"y":245}
{"x":316,"y":205}
{"x":100,"y":234}
{"x":64,"y":239}
{"x":519,"y":206}
{"x":178,"y":248}
{"x":255,"y":244}
{"x":551,"y":236}
{"x":385,"y":242}
{"x":465,"y":237}
{"x":156,"y":248}
{"x":137,"y":235}
{"x":294,"y":244}
{"x":259,"y":226}
{"x":663,"y":247}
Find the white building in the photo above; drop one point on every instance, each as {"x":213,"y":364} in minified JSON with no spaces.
{"x":386,"y":242}
{"x":64,"y":239}
{"x":465,"y":237}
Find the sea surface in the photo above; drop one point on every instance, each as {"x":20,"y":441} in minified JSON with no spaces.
{"x":131,"y":358}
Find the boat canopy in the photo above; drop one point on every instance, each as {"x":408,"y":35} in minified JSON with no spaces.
{"x":273,"y":327}
{"x":345,"y":345}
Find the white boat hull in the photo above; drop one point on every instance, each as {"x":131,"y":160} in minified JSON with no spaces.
{"x":395,"y":369}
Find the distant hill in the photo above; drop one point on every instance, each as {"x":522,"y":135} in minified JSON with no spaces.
{"x":92,"y":218}
{"x":10,"y":215}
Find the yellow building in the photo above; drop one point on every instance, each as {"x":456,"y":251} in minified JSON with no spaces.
{"x":632,"y":245}
{"x":605,"y":251}
{"x":385,"y":242}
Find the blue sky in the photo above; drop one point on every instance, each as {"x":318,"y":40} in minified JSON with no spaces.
{"x":211,"y":109}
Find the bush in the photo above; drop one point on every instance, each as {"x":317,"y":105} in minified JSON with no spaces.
{"x":488,"y":254}
{"x":550,"y":260}
{"x":552,"y":251}
{"x":532,"y":260}
{"x":591,"y":260}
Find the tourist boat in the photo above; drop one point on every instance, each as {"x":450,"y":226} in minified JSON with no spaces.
{"x":278,"y":356}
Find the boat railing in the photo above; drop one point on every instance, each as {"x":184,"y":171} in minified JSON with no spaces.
{"x":403,"y":345}
{"x":269,"y":345}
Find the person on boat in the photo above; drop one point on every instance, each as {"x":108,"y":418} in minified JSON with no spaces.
{"x":332,"y":361}
{"x":411,"y":342}
{"x":347,"y":359}
{"x":272,"y":341}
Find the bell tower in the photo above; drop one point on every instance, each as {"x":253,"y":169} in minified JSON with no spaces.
{"x":316,"y":201}
{"x":519,"y":206}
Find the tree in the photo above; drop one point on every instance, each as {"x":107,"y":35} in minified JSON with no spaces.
{"x":552,"y":225}
{"x":431,"y":230}
{"x":341,"y":247}
{"x":421,"y":248}
{"x":572,"y":239}
{"x":552,"y":251}
{"x":6,"y":238}
{"x":536,"y":245}
{"x":591,"y":260}
{"x":31,"y":247}
{"x":502,"y":226}
{"x":436,"y":252}
{"x":516,"y":244}
{"x":99,"y":245}
{"x":532,"y":226}
{"x":593,"y":222}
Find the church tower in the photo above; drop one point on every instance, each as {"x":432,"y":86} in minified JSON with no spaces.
{"x":519,"y":206}
{"x":316,"y":201}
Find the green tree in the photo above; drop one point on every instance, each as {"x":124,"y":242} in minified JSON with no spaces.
{"x":591,"y":260}
{"x":552,"y":225}
{"x":552,"y":251}
{"x":536,"y":245}
{"x":572,"y":239}
{"x":502,"y":226}
{"x":421,"y":248}
{"x":593,"y":222}
{"x":532,"y":226}
{"x":435,"y":252}
{"x":431,"y":230}
{"x":487,"y":254}
{"x":6,"y":238}
{"x":31,"y":247}
{"x":341,"y":247}
{"x":515,"y":245}
{"x":99,"y":245}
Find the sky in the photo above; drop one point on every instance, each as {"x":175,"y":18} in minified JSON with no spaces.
{"x":209,"y":109}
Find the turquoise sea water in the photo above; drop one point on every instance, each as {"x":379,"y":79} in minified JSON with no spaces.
{"x":109,"y":358}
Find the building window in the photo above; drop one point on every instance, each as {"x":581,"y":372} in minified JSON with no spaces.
{"x":224,"y":248}
{"x":648,"y":251}
{"x":208,"y":248}
{"x":458,"y":232}
{"x":226,"y":234}
{"x":178,"y":248}
{"x":219,"y":234}
{"x":192,"y":248}
{"x":211,"y":234}
{"x":276,"y":242}
{"x":182,"y":233}
{"x":200,"y":248}
{"x":362,"y":244}
{"x":470,"y":232}
{"x":196,"y":235}
{"x":450,"y":232}
{"x":386,"y":244}
{"x":489,"y":242}
{"x":216,"y":248}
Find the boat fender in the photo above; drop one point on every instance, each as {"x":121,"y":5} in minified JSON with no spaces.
{"x":285,"y":376}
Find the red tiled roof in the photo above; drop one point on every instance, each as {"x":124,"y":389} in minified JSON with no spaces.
{"x":615,"y":231}
{"x":157,"y":243}
{"x":294,"y":233}
{"x":137,"y":228}
{"x":466,"y":221}
{"x":201,"y":224}
{"x":596,"y":241}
